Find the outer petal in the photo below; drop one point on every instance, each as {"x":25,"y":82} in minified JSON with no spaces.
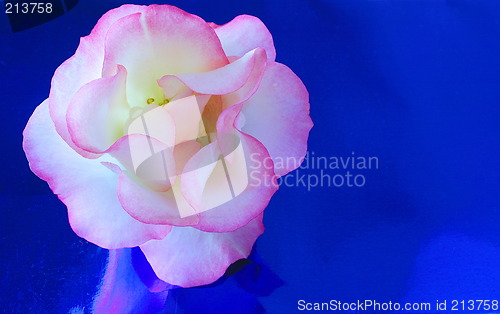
{"x":278,"y":116}
{"x":208,"y":185}
{"x":87,"y":187}
{"x":243,"y":34}
{"x":84,"y":66}
{"x":188,"y":257}
{"x":161,"y":40}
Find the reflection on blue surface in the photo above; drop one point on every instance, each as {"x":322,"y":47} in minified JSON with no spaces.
{"x":130,"y":284}
{"x":414,"y":83}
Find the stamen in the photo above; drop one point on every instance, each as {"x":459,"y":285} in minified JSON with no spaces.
{"x":150,"y":101}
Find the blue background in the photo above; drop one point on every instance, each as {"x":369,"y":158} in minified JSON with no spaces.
{"x":414,"y":83}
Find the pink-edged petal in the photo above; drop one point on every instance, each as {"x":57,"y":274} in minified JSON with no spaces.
{"x":223,"y":80}
{"x":154,"y":207}
{"x":188,"y":257}
{"x":84,"y":66}
{"x":278,"y":116}
{"x":250,"y":86}
{"x":226,"y":182}
{"x":87,"y":187}
{"x":243,"y":34}
{"x":97,"y":114}
{"x":159,"y":41}
{"x":100,"y":30}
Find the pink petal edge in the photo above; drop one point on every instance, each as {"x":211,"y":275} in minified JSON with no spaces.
{"x":245,"y":33}
{"x":277,"y":115}
{"x":188,"y":257}
{"x":87,"y":187}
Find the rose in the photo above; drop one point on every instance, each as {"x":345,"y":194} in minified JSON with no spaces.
{"x":151,"y":119}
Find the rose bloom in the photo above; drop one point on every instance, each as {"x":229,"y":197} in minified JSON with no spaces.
{"x":158,"y":133}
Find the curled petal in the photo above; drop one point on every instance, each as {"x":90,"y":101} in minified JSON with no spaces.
{"x":84,"y":66}
{"x":188,"y":257}
{"x":226,"y":182}
{"x":278,"y":116}
{"x":87,"y":187}
{"x":243,"y":34}
{"x":97,"y":114}
{"x":251,"y":84}
{"x":225,"y":80}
